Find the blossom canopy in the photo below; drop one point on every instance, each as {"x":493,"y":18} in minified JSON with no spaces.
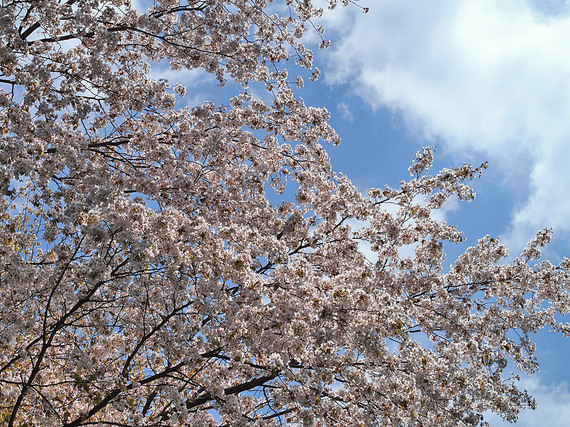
{"x":155,"y":271}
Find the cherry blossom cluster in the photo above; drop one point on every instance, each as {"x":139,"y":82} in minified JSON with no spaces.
{"x":204,"y":265}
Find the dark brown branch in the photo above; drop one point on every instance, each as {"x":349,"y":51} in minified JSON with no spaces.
{"x":35,"y":25}
{"x":150,"y":334}
{"x":62,"y":321}
{"x":78,"y":421}
{"x":248,"y":385}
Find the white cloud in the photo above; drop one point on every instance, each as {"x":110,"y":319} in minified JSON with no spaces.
{"x":141,"y":6}
{"x":553,"y":405}
{"x":345,"y":111}
{"x":481,"y":76}
{"x":405,"y":251}
{"x":201,"y":86}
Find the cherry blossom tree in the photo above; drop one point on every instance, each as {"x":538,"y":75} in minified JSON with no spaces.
{"x":155,"y":272}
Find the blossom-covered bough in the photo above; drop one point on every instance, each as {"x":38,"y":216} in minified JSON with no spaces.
{"x":148,"y":277}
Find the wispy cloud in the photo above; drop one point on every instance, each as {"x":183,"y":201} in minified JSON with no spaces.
{"x":481,"y":77}
{"x":345,"y":111}
{"x":553,"y":405}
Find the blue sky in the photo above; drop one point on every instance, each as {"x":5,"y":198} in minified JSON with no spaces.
{"x":483,"y":80}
